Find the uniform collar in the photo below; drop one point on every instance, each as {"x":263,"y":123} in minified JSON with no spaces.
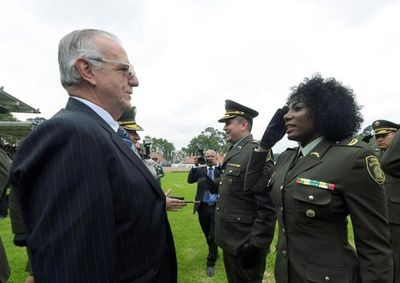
{"x":310,"y":146}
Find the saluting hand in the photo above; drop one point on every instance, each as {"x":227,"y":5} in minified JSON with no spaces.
{"x":275,"y":129}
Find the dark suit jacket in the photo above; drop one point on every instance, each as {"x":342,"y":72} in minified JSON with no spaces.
{"x":242,"y":215}
{"x":93,"y":210}
{"x":312,"y":243}
{"x":391,"y":157}
{"x":204,"y":183}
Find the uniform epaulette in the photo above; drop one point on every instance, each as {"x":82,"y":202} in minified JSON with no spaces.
{"x":352,"y":141}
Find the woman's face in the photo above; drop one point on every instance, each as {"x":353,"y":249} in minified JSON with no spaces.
{"x":299,"y":123}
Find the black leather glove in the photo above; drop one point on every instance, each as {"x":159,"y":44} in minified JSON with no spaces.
{"x":275,"y":129}
{"x":248,"y":250}
{"x":367,"y":138}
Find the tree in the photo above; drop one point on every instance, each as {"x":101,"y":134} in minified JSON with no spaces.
{"x":8,"y":117}
{"x":162,"y":146}
{"x":36,"y":120}
{"x":210,"y":138}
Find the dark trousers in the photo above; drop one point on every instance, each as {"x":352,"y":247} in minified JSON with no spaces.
{"x":244,"y":269}
{"x":4,"y":268}
{"x":207,"y":223}
{"x":395,"y":241}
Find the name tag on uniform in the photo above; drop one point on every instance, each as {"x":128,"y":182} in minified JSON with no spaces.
{"x":316,"y":184}
{"x":234,"y":165}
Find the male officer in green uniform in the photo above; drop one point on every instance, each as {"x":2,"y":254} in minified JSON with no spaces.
{"x":245,"y":220}
{"x":385,"y":132}
{"x":390,"y":160}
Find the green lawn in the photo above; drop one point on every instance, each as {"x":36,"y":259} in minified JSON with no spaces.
{"x":189,"y":240}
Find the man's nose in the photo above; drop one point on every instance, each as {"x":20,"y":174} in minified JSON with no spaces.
{"x":133,"y":81}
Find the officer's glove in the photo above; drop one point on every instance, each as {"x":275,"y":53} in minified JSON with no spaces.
{"x":275,"y":129}
{"x":367,"y":138}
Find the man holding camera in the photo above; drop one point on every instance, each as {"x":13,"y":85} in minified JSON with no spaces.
{"x":204,"y":172}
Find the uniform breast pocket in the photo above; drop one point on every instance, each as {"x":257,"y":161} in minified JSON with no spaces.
{"x":311,"y":203}
{"x":232,"y":174}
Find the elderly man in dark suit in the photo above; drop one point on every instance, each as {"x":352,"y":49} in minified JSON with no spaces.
{"x":204,"y":174}
{"x":94,"y":212}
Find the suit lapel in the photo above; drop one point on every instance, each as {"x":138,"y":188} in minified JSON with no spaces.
{"x":76,"y":105}
{"x":235,"y":150}
{"x":307,"y":162}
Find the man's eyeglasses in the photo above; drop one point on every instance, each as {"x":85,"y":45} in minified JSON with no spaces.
{"x":126,"y":68}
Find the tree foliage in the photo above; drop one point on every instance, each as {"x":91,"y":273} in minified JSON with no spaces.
{"x":162,"y":146}
{"x":8,"y":117}
{"x":36,"y":120}
{"x":210,"y":138}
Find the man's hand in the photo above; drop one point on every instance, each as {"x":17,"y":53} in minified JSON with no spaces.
{"x":275,"y":129}
{"x":173,"y":204}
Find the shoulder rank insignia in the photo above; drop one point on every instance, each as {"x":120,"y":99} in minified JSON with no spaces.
{"x":374,"y":169}
{"x":353,"y":141}
{"x":315,"y":183}
{"x":234,"y":165}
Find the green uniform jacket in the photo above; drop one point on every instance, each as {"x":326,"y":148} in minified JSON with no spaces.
{"x":242,"y":215}
{"x":313,"y":198}
{"x":391,"y":158}
{"x":392,"y":186}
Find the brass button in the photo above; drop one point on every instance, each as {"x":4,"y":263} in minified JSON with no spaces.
{"x":281,"y":188}
{"x":220,"y":183}
{"x":310,"y":213}
{"x":283,"y":230}
{"x":311,"y":197}
{"x":284,"y":253}
{"x":230,"y":171}
{"x":281,"y":208}
{"x":223,"y":171}
{"x":238,"y":218}
{"x":327,"y":278}
{"x":217,"y":208}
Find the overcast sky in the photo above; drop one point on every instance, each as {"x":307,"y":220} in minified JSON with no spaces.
{"x":191,"y":55}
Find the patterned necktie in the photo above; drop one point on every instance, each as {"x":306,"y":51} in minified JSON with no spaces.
{"x":210,"y":173}
{"x":125,"y":136}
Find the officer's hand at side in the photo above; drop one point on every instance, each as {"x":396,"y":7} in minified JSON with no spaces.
{"x":275,"y":129}
{"x":248,"y":250}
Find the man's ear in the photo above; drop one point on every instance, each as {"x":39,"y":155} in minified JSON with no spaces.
{"x":84,"y":68}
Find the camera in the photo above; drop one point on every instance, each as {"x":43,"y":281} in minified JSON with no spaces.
{"x":201,"y":159}
{"x":147,"y":144}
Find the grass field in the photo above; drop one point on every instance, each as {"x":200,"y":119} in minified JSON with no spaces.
{"x":189,"y":240}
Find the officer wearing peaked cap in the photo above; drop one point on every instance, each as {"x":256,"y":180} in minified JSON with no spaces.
{"x":128,"y":122}
{"x":385,"y":133}
{"x":245,"y":219}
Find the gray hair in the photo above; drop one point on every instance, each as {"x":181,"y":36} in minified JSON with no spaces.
{"x":78,"y":44}
{"x":242,"y":119}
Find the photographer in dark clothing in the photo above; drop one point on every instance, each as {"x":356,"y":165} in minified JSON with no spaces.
{"x":204,"y":174}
